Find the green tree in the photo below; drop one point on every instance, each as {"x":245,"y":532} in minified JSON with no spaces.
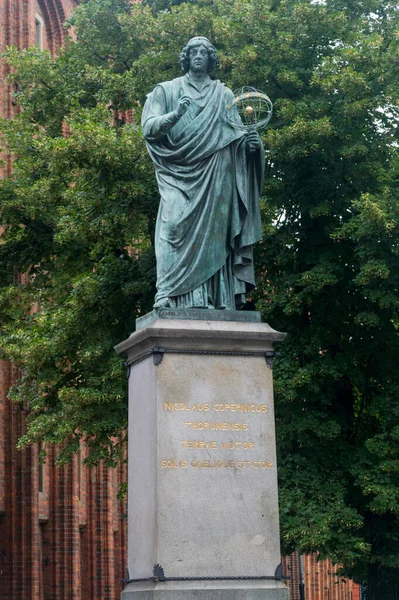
{"x":79,"y":215}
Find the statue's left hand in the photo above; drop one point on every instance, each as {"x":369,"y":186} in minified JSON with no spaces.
{"x":253,"y":141}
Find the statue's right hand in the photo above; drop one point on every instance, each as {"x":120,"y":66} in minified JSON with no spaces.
{"x":183,"y":105}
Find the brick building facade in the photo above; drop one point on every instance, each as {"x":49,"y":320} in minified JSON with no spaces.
{"x":63,"y":530}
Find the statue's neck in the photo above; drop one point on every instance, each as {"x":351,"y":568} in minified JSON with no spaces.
{"x":198,"y":77}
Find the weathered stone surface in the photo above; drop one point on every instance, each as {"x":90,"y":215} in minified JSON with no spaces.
{"x":217,"y":510}
{"x":200,"y":336}
{"x":207,"y":590}
{"x":198,"y":314}
{"x":202,"y":463}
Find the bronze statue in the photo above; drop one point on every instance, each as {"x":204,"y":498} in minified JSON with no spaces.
{"x":210,"y":177}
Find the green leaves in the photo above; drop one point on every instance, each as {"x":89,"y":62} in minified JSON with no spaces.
{"x":78,"y":214}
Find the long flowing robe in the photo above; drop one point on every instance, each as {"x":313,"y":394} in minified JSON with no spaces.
{"x":209,"y":216}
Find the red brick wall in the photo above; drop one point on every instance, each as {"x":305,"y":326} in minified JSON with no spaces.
{"x":321,"y":583}
{"x":68,"y":540}
{"x":18,"y":28}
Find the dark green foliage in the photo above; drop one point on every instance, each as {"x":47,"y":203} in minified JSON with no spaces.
{"x":327,"y":268}
{"x":78,"y":213}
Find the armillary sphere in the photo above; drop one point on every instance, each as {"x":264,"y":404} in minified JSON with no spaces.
{"x":250,"y":109}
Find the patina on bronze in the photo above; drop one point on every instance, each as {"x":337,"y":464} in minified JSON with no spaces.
{"x":210,"y":176}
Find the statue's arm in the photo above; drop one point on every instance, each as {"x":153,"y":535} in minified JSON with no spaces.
{"x":156,"y":122}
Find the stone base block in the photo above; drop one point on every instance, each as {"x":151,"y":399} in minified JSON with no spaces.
{"x":256,"y":589}
{"x":202,"y":459}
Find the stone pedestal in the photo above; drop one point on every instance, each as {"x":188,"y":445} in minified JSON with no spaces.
{"x":202,"y":461}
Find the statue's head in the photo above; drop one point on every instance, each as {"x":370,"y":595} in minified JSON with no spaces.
{"x":194,"y":43}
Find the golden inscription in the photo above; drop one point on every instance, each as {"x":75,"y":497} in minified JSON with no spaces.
{"x":254,"y":464}
{"x":173,"y":464}
{"x":205,"y":407}
{"x":231,"y":445}
{"x":231,"y":464}
{"x":212,"y":464}
{"x":240,"y":445}
{"x":217,"y":426}
{"x":216,"y":464}
{"x":199,"y":445}
{"x":185,"y":406}
{"x":252,"y":408}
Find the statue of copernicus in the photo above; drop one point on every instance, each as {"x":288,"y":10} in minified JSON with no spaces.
{"x":210,"y":177}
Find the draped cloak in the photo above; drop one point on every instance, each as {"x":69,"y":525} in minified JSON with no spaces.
{"x":209,"y":184}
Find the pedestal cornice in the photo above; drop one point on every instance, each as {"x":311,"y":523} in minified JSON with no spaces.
{"x":204,"y":337}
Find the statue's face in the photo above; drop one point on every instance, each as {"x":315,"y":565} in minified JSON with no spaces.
{"x":199,"y":59}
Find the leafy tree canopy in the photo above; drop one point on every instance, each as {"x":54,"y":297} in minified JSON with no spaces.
{"x":79,"y":211}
